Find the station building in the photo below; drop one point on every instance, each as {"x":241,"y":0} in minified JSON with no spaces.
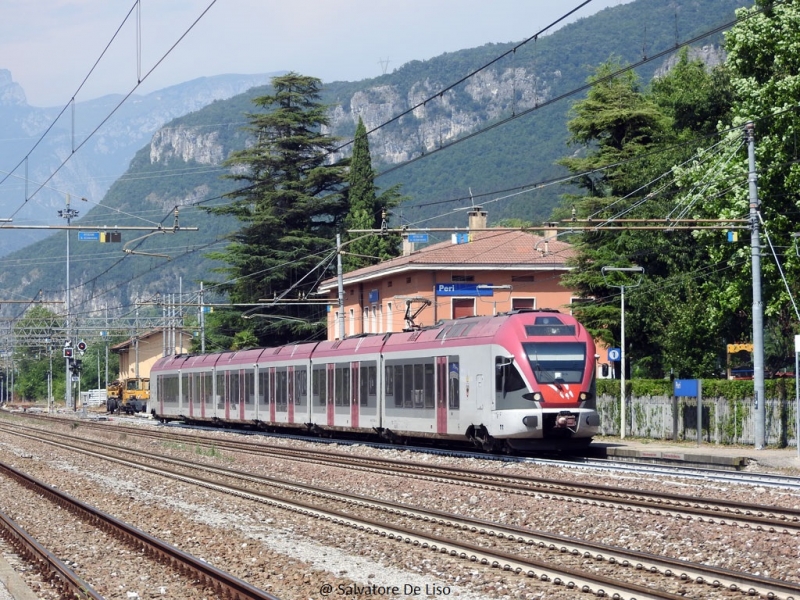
{"x":137,"y":355}
{"x":477,"y":272}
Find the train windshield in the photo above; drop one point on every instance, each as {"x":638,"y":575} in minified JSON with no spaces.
{"x":556,"y":362}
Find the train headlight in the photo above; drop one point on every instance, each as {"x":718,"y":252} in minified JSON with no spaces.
{"x":584,"y":396}
{"x":537,"y":396}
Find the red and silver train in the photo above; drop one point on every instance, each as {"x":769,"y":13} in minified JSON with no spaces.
{"x":511,"y":382}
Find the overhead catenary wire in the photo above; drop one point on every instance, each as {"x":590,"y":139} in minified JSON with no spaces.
{"x":113,"y":110}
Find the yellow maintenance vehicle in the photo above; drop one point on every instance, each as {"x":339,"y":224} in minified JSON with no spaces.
{"x":128,"y":395}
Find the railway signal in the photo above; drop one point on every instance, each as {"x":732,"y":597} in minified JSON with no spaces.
{"x":81,"y":347}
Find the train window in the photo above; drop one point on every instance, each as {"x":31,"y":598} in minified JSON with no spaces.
{"x":363,"y":384}
{"x":281,"y":389}
{"x":419,"y":385}
{"x":319,"y":383}
{"x":263,"y":386}
{"x":389,"y":382}
{"x":408,"y":386}
{"x":233,"y":388}
{"x":196,"y":389}
{"x":169,"y":389}
{"x":555,"y":328}
{"x":220,"y":389}
{"x":429,"y":385}
{"x":453,"y":383}
{"x":185,"y":389}
{"x":300,"y":386}
{"x":341,"y":395}
{"x":208,"y":389}
{"x":398,"y":385}
{"x":249,"y":386}
{"x":556,"y":362}
{"x":507,"y":376}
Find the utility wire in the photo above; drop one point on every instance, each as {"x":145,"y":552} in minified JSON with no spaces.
{"x":113,"y":110}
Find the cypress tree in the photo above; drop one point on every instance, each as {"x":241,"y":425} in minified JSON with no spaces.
{"x":367,"y":209}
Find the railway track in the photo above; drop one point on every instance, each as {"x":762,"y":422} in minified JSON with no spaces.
{"x":507,"y":548}
{"x":715,"y":511}
{"x":69,"y":585}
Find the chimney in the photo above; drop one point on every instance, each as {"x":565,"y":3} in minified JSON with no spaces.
{"x":408,"y":247}
{"x":477,"y":218}
{"x":550,"y":231}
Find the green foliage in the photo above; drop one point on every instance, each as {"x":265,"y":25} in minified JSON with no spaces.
{"x":367,"y":210}
{"x":290,"y":207}
{"x":631,"y":140}
{"x":731,"y":390}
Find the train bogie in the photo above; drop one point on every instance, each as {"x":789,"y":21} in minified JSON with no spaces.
{"x":510,"y":382}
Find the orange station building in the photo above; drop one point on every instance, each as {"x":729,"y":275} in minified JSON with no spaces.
{"x":479,"y":272}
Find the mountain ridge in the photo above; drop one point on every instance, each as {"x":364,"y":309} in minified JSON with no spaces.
{"x":181,"y":165}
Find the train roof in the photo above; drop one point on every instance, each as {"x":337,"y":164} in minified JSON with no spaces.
{"x":364,"y":344}
{"x":456,"y":332}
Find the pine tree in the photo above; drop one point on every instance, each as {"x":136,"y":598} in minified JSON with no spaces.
{"x":291,"y":207}
{"x":367,"y":209}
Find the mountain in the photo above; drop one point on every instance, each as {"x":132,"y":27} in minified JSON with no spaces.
{"x":105,"y":155}
{"x":492,"y":140}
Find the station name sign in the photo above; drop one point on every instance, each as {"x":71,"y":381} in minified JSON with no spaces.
{"x":464,"y":289}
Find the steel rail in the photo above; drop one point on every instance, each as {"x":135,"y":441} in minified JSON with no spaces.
{"x":230,"y":586}
{"x":59,"y":575}
{"x":701,"y":574}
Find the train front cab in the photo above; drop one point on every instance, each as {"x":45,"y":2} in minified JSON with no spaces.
{"x":544,"y":386}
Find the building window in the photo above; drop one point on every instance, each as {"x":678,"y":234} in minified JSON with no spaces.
{"x":462,"y":278}
{"x":352,"y":322}
{"x":575,"y":302}
{"x":408,"y":279}
{"x":522,"y":278}
{"x":389,"y":317}
{"x":365,"y":321}
{"x":463,"y":307}
{"x":388,"y":284}
{"x":523,"y":303}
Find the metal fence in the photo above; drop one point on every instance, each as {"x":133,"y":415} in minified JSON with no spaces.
{"x":724,"y":421}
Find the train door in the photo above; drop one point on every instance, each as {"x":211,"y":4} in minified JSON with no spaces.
{"x":441,"y":394}
{"x":271,"y":395}
{"x":291,"y":392}
{"x":330,"y":409}
{"x":190,"y":393}
{"x":249,"y":394}
{"x":262,"y":402}
{"x":219,"y":394}
{"x":240,"y":393}
{"x":354,"y":390}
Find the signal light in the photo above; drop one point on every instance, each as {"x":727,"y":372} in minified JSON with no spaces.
{"x":81,"y":347}
{"x":67,"y":352}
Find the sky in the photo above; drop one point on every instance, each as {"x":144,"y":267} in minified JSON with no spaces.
{"x":57,"y":49}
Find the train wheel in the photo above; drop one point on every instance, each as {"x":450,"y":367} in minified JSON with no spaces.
{"x":490,"y":445}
